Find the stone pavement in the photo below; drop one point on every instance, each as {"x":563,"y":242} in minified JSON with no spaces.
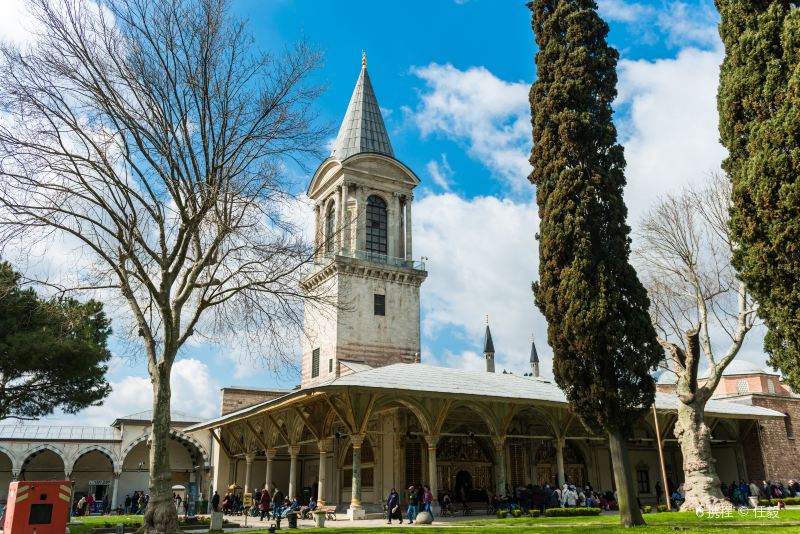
{"x":344,"y":523}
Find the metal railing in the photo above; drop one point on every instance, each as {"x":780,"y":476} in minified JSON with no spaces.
{"x":372,"y":257}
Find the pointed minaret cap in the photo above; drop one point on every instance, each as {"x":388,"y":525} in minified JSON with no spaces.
{"x":488,"y":345}
{"x":362,"y":129}
{"x":534,"y":354}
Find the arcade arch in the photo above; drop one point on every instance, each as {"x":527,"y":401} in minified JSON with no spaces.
{"x":6,"y":472}
{"x":44,"y":463}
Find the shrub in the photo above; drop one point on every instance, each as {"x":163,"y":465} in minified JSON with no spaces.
{"x":661,"y":507}
{"x":501,"y":514}
{"x":647,"y":508}
{"x":570,"y":512}
{"x":516,"y":513}
{"x":534,"y":513}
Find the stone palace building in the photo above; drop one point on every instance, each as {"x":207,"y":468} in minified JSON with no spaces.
{"x":369,"y":415}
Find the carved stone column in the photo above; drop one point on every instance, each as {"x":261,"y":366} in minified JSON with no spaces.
{"x":500,"y":468}
{"x":325,"y":446}
{"x":248,"y":466}
{"x":114,"y":491}
{"x":560,"y":442}
{"x":409,"y":227}
{"x":338,"y":242}
{"x":356,"y":511}
{"x":294,"y":452}
{"x":433,"y":472}
{"x":270,"y":458}
{"x":361,"y":219}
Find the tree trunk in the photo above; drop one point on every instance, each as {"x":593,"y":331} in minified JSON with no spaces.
{"x":701,"y":481}
{"x":629,"y":513}
{"x":160,"y":516}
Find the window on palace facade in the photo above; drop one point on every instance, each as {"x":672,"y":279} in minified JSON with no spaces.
{"x":787,"y":420}
{"x":377,"y":225}
{"x":517,"y":463}
{"x":742,"y":387}
{"x":413,"y":463}
{"x":771,"y":387}
{"x":643,"y":479}
{"x":379,"y":304}
{"x":330,"y":228}
{"x":330,"y":365}
{"x":315,"y":363}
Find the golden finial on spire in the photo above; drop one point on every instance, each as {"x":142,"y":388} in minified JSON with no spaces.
{"x":363,"y":58}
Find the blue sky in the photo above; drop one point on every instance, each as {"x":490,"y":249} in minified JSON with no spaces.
{"x":452,"y":79}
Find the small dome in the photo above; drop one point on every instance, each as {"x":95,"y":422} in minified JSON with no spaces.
{"x":743,"y":367}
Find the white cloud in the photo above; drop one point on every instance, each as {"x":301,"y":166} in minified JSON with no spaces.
{"x":622,"y":11}
{"x":491,"y":117}
{"x":440,"y":172}
{"x":16,"y":24}
{"x":482,"y":260}
{"x":194,"y":391}
{"x":670,"y":130}
{"x":676,"y":24}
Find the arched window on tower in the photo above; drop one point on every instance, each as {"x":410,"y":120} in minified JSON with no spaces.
{"x":377,"y":227}
{"x":330,"y":228}
{"x":787,"y":420}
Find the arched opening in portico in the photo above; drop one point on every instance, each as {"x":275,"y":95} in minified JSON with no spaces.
{"x":43,"y":464}
{"x":93,"y":473}
{"x":187,"y":465}
{"x":465,"y":455}
{"x":6,"y":474}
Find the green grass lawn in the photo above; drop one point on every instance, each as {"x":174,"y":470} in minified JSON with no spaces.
{"x":788,"y":521}
{"x":100,"y":521}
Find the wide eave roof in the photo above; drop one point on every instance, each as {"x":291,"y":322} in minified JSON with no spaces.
{"x":424,"y":379}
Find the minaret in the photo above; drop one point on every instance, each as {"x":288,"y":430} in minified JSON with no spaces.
{"x":534,"y":359}
{"x":364,"y":270}
{"x":488,"y":348}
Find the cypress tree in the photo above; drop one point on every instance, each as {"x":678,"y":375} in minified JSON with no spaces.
{"x":604,"y":344}
{"x":759,"y":107}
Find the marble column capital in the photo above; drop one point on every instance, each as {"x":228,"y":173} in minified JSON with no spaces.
{"x":499,"y":442}
{"x":325,"y":445}
{"x":271,"y":454}
{"x":357,"y":440}
{"x":432,"y":440}
{"x":249,"y":457}
{"x":294,"y":451}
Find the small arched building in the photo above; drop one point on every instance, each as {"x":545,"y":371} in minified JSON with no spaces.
{"x":108,"y":462}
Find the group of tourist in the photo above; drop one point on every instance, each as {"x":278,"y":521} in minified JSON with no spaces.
{"x":739,"y":493}
{"x":420,"y":499}
{"x":544,"y":496}
{"x":135,"y":504}
{"x":264,"y":505}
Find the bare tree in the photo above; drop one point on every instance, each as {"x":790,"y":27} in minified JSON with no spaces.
{"x":684,"y":251}
{"x":158,"y":137}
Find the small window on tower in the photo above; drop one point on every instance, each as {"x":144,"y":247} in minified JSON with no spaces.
{"x":330,"y":365}
{"x":315,"y":363}
{"x":380,"y":304}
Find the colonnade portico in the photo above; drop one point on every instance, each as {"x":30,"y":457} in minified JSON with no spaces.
{"x":469,"y":446}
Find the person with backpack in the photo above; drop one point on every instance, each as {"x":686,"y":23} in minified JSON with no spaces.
{"x":413,"y":501}
{"x":264,"y":504}
{"x":393,"y":507}
{"x":277,"y":501}
{"x":427,"y":500}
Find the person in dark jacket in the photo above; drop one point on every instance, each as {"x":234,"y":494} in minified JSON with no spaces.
{"x":413,"y":501}
{"x":264,"y":504}
{"x":393,"y":507}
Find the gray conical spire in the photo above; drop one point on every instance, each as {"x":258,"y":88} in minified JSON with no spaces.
{"x":362,"y":129}
{"x":534,"y":359}
{"x":488,"y":345}
{"x":488,"y":348}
